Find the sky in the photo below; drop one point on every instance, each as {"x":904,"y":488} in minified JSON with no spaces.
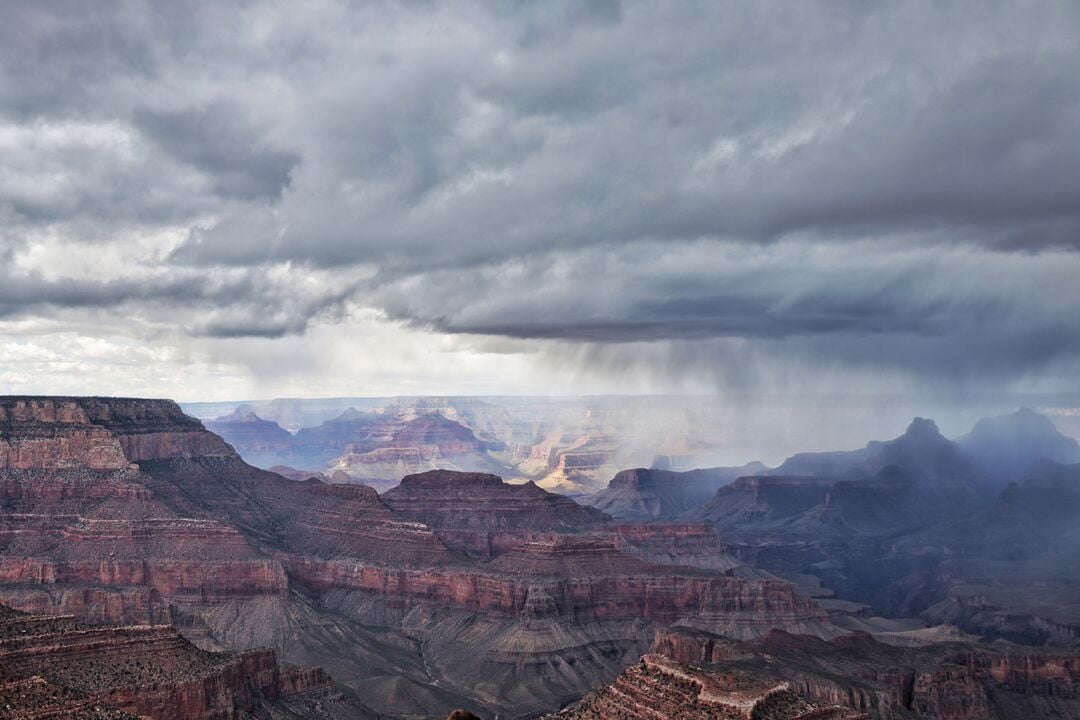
{"x":207,"y":200}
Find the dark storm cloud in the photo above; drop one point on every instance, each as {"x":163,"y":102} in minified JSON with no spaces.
{"x":233,"y":306}
{"x":930,"y":310}
{"x":820,"y":180}
{"x":208,"y":139}
{"x":680,"y":121}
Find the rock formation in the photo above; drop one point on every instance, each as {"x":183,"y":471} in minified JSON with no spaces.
{"x":749,"y":503}
{"x":472,"y":510}
{"x":693,"y":674}
{"x":427,"y":442}
{"x":130,"y":512}
{"x":917,"y":526}
{"x":1009,"y":448}
{"x":658,"y":689}
{"x":52,"y":667}
{"x":648,"y":494}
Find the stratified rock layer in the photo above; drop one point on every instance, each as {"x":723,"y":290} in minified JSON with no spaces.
{"x":691,"y":670}
{"x":454,"y":590}
{"x":50,"y":666}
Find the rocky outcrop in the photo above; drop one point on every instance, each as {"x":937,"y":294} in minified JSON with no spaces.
{"x":947,"y":680}
{"x":691,"y":544}
{"x":469,"y":509}
{"x":490,"y":422}
{"x":657,"y":688}
{"x":448,"y":437}
{"x":649,"y":494}
{"x":52,"y":667}
{"x":582,"y":468}
{"x":53,"y":433}
{"x":750,"y":502}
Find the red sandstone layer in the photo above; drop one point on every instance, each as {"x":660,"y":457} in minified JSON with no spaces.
{"x":50,"y":666}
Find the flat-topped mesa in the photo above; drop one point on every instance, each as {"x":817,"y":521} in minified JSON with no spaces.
{"x":98,"y":433}
{"x":642,"y":478}
{"x":479,"y":514}
{"x":155,"y":429}
{"x":446,"y":480}
{"x":480,"y":502}
{"x":50,"y":667}
{"x":570,"y":556}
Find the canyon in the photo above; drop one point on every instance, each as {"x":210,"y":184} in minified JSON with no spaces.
{"x":978,"y":531}
{"x":572,"y":446}
{"x":868,"y":576}
{"x":451,"y":590}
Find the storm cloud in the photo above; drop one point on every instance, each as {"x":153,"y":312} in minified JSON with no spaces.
{"x":807,"y":186}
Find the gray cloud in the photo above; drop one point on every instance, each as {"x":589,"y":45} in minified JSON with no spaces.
{"x":209,"y":139}
{"x":820,"y":183}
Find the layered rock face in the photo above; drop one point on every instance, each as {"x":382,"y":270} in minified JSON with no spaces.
{"x":583,"y":467}
{"x":54,"y":434}
{"x":51,"y":667}
{"x":79,"y":534}
{"x":480,"y":513}
{"x":854,"y":676}
{"x":380,"y":448}
{"x":690,"y":544}
{"x":201,"y":541}
{"x":657,"y":688}
{"x":547,"y":621}
{"x":183,"y":530}
{"x":485,"y":517}
{"x":427,"y":442}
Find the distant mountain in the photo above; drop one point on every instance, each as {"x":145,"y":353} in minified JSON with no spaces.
{"x":650,"y":494}
{"x":392,"y":449}
{"x":920,"y":525}
{"x":755,"y":502}
{"x":922,"y":449}
{"x":317,"y":446}
{"x":1009,"y":448}
{"x":260,"y":442}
